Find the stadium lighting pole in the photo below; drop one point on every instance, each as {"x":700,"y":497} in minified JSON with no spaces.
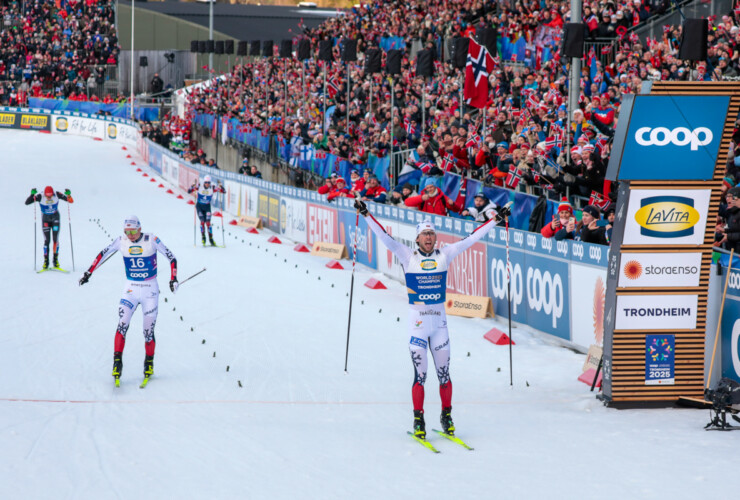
{"x":574,"y":89}
{"x":210,"y":32}
{"x":132,"y":60}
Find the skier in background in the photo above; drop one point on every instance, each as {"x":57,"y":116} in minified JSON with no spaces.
{"x":203,"y":206}
{"x":49,"y":204}
{"x":426,"y":279}
{"x":139,"y":251}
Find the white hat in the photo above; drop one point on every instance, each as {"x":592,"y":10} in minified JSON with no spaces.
{"x":131,"y":222}
{"x":207,"y":178}
{"x":425,"y":225}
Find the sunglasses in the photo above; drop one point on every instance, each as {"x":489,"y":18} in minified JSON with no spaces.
{"x":130,"y":231}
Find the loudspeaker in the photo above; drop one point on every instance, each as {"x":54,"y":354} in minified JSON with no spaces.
{"x":241,"y":48}
{"x":255,"y":49}
{"x":228,"y":46}
{"x":286,"y":49}
{"x":393,"y":62}
{"x":210,"y":46}
{"x":304,"y":49}
{"x":460,"y":53}
{"x":349,"y":50}
{"x":424,"y":63}
{"x":219,"y":47}
{"x":325,"y":51}
{"x":572,"y":40}
{"x":372,"y":61}
{"x":267,"y":48}
{"x":487,"y":37}
{"x":694,"y":40}
{"x":143,"y":61}
{"x":193,"y":45}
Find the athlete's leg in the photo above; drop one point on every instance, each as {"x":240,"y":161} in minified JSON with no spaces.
{"x":208,"y":224}
{"x":46,"y":228}
{"x":203,"y":221}
{"x":150,"y":304}
{"x":418,"y":349}
{"x":439,"y":344}
{"x":126,"y":308}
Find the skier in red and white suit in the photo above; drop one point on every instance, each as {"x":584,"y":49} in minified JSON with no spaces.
{"x":139,"y":251}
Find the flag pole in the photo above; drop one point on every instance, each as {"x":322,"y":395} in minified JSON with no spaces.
{"x":390,"y":149}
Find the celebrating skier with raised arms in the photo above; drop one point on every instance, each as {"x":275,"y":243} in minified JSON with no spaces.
{"x":139,"y":251}
{"x":426,"y":280}
{"x":203,"y":205}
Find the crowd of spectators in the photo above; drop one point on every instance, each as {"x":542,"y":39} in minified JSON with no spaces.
{"x":526,"y":137}
{"x":56,"y":49}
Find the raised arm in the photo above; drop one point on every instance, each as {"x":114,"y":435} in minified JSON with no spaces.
{"x":455,"y":249}
{"x":101,"y":258}
{"x":399,"y":249}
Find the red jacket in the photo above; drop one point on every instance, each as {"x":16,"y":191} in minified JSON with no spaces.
{"x":439,"y":204}
{"x":336,"y":193}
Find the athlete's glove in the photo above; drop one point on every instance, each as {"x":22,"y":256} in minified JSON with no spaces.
{"x":174,"y":285}
{"x":67,"y":192}
{"x":361,"y":207}
{"x":85,"y":278}
{"x":505,"y":211}
{"x":33,"y":192}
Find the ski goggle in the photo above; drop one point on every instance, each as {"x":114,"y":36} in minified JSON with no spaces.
{"x":130,"y":231}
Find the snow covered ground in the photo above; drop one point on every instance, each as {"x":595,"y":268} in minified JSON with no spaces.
{"x":250,"y":399}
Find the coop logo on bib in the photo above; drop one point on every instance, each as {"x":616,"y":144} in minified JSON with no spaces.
{"x":428,"y":264}
{"x":667,"y":216}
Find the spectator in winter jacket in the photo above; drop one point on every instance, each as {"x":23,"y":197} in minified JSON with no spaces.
{"x":432,"y":200}
{"x":560,"y":222}
{"x":588,"y":230}
{"x":328,"y":185}
{"x":603,"y":112}
{"x":731,"y":231}
{"x":373,"y":191}
{"x":340,"y":189}
{"x":482,"y":210}
{"x":399,"y":198}
{"x":358,"y":183}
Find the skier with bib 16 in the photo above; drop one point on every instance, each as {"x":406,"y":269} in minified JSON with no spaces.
{"x":426,"y":279}
{"x":139,"y":251}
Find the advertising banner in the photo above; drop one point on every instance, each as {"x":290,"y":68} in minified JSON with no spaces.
{"x":170,"y":168}
{"x":666,"y":216}
{"x":731,"y":329}
{"x":154,"y":160}
{"x":587,"y":300}
{"x":366,"y":253}
{"x":660,"y":359}
{"x":120,"y":132}
{"x":673,"y":137}
{"x":293,"y":219}
{"x":186,"y":177}
{"x":250,"y":201}
{"x":25,"y":121}
{"x":322,"y":224}
{"x":638,"y":270}
{"x":77,"y":125}
{"x":656,"y":312}
{"x":263,"y":207}
{"x":231,"y":197}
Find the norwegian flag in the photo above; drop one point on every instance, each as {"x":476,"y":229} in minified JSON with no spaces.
{"x":479,"y":66}
{"x":600,"y":144}
{"x":634,"y":38}
{"x":360,"y":150}
{"x":474,"y":142}
{"x":598,"y":200}
{"x":425,"y":167}
{"x":449,"y":161}
{"x":635,"y":19}
{"x":214,"y":129}
{"x":532,"y":102}
{"x":550,"y":143}
{"x":515,"y":113}
{"x":513,"y":178}
{"x":332,"y":87}
{"x":606,"y":50}
{"x":410,"y":128}
{"x":592,"y":22}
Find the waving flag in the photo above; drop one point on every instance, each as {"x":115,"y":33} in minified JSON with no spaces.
{"x":513,"y":178}
{"x":598,"y":200}
{"x":448,"y":162}
{"x":451,"y":184}
{"x":479,"y":66}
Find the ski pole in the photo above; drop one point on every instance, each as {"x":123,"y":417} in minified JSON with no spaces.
{"x":194,"y":222}
{"x":508,"y":294}
{"x":71,"y":246}
{"x":223,"y":206}
{"x":351,"y":289}
{"x":34,"y":235}
{"x":192,"y":276}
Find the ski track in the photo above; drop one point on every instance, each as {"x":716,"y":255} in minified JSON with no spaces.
{"x":299,"y":426}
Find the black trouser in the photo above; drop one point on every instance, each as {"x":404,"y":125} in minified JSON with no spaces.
{"x":50,"y":226}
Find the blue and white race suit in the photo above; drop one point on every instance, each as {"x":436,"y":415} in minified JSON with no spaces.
{"x":426,"y":282}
